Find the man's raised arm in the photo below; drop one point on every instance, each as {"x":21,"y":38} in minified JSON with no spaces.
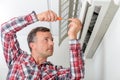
{"x":11,"y":48}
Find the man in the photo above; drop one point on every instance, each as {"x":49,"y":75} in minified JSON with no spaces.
{"x":34,"y":66}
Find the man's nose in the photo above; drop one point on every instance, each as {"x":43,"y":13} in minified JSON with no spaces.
{"x":51,"y":42}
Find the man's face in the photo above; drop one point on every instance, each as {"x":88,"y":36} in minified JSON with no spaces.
{"x":43,"y":44}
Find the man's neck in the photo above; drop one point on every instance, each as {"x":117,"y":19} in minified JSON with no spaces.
{"x":39,"y":60}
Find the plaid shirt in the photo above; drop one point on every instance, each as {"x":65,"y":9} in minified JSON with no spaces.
{"x":22,"y":66}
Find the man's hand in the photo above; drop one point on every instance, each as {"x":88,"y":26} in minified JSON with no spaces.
{"x":74,"y":27}
{"x":47,"y":16}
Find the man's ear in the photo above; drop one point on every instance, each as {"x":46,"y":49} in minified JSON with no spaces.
{"x":32,"y":45}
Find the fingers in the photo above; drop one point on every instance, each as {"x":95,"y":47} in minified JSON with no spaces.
{"x":75,"y":20}
{"x":72,"y":24}
{"x":74,"y":27}
{"x":47,"y":16}
{"x":52,"y":16}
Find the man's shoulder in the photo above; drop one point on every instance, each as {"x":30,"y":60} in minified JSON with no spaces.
{"x":23,"y":57}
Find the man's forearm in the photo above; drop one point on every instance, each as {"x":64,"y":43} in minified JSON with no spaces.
{"x":17,"y":23}
{"x":75,"y":60}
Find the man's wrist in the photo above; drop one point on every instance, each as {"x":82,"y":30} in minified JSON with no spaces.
{"x":35,"y":15}
{"x":31,"y":18}
{"x":73,"y":41}
{"x":72,"y":36}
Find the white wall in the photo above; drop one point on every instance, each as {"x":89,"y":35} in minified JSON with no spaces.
{"x":112,"y":50}
{"x":14,"y":8}
{"x":105,"y":64}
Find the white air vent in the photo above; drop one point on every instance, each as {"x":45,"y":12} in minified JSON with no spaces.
{"x":96,"y":22}
{"x":67,"y":9}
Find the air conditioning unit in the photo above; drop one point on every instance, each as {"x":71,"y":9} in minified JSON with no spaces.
{"x":96,"y":18}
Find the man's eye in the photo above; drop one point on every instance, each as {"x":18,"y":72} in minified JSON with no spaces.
{"x":52,"y":39}
{"x":46,"y":39}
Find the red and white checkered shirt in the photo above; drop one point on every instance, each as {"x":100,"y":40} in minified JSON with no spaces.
{"x":22,"y":66}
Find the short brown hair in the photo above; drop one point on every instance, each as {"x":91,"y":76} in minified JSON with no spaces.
{"x":32,"y":34}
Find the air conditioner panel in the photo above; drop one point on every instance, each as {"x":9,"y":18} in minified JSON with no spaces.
{"x":106,"y":14}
